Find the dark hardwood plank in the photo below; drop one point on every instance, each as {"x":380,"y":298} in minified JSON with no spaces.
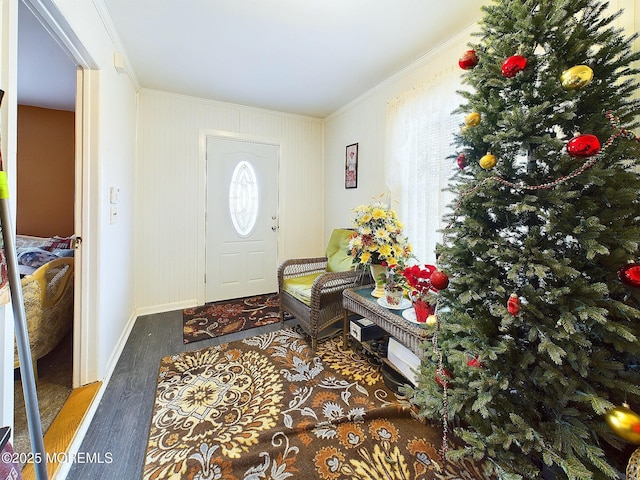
{"x":120,"y":427}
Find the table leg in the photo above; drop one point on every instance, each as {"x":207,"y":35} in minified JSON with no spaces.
{"x":345,"y":329}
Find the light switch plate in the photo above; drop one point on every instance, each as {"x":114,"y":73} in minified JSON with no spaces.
{"x":114,"y":194}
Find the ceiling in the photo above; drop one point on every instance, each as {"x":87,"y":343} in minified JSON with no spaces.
{"x":46,"y":74}
{"x":299,"y":56}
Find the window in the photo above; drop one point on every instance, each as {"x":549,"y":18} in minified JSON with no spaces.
{"x":244,"y":198}
{"x":420,"y":128}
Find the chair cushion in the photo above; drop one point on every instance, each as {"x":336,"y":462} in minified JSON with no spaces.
{"x":337,"y":254}
{"x":300,"y":287}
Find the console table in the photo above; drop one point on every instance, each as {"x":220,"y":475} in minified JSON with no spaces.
{"x":359,"y":301}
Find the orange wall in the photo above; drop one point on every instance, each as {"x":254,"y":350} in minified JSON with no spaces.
{"x":46,"y":169}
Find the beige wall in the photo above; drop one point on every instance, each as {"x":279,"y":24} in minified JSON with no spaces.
{"x":45,"y":167}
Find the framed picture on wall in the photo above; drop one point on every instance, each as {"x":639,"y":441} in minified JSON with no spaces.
{"x":351,"y":167}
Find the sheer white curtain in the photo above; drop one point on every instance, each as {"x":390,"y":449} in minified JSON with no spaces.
{"x":420,"y":128}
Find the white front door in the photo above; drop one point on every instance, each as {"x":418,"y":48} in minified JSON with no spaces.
{"x":241,"y":218}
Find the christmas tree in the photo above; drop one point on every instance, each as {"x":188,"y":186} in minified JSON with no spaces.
{"x":538,"y":336}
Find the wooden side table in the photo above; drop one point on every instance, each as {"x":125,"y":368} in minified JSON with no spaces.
{"x":359,"y":301}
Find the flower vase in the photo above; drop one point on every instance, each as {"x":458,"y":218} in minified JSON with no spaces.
{"x":377,"y":272}
{"x":422,"y":309}
{"x":393,"y":296}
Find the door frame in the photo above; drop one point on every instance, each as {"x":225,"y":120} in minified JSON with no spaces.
{"x":86,"y":142}
{"x":201,"y":253}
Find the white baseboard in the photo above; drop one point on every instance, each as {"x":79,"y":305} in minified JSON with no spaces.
{"x":167,"y":307}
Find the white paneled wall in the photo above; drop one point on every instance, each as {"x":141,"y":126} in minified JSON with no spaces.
{"x":170,"y":176}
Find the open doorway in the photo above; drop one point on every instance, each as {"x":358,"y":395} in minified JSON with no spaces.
{"x":45,"y":254}
{"x":49,"y":196}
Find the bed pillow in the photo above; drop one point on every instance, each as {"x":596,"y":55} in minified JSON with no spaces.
{"x":35,"y":257}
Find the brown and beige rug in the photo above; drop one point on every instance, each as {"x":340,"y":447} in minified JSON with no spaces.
{"x":266,"y":408}
{"x":229,"y":316}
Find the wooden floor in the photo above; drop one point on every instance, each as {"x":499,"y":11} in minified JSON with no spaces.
{"x":117,"y":437}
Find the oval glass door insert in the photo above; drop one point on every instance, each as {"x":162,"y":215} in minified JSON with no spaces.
{"x":244,"y":198}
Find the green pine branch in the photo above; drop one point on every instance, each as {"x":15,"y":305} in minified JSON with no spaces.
{"x":551,"y":229}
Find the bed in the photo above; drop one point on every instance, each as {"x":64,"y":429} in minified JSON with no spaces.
{"x":34,"y":252}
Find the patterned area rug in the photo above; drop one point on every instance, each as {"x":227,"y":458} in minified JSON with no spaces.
{"x":229,"y":316}
{"x":265,"y":408}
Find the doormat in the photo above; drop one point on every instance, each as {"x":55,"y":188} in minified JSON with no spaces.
{"x":229,"y":316}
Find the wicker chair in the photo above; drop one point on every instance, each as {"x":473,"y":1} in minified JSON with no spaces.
{"x":310,"y":289}
{"x":48,"y":303}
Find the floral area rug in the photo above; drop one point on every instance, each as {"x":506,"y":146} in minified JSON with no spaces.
{"x":229,"y":316}
{"x":265,"y":408}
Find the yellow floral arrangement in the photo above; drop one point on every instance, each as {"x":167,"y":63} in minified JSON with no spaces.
{"x":378,"y":236}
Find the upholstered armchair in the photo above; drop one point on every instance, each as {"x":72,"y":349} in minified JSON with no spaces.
{"x":48,"y":305}
{"x":310,"y":289}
